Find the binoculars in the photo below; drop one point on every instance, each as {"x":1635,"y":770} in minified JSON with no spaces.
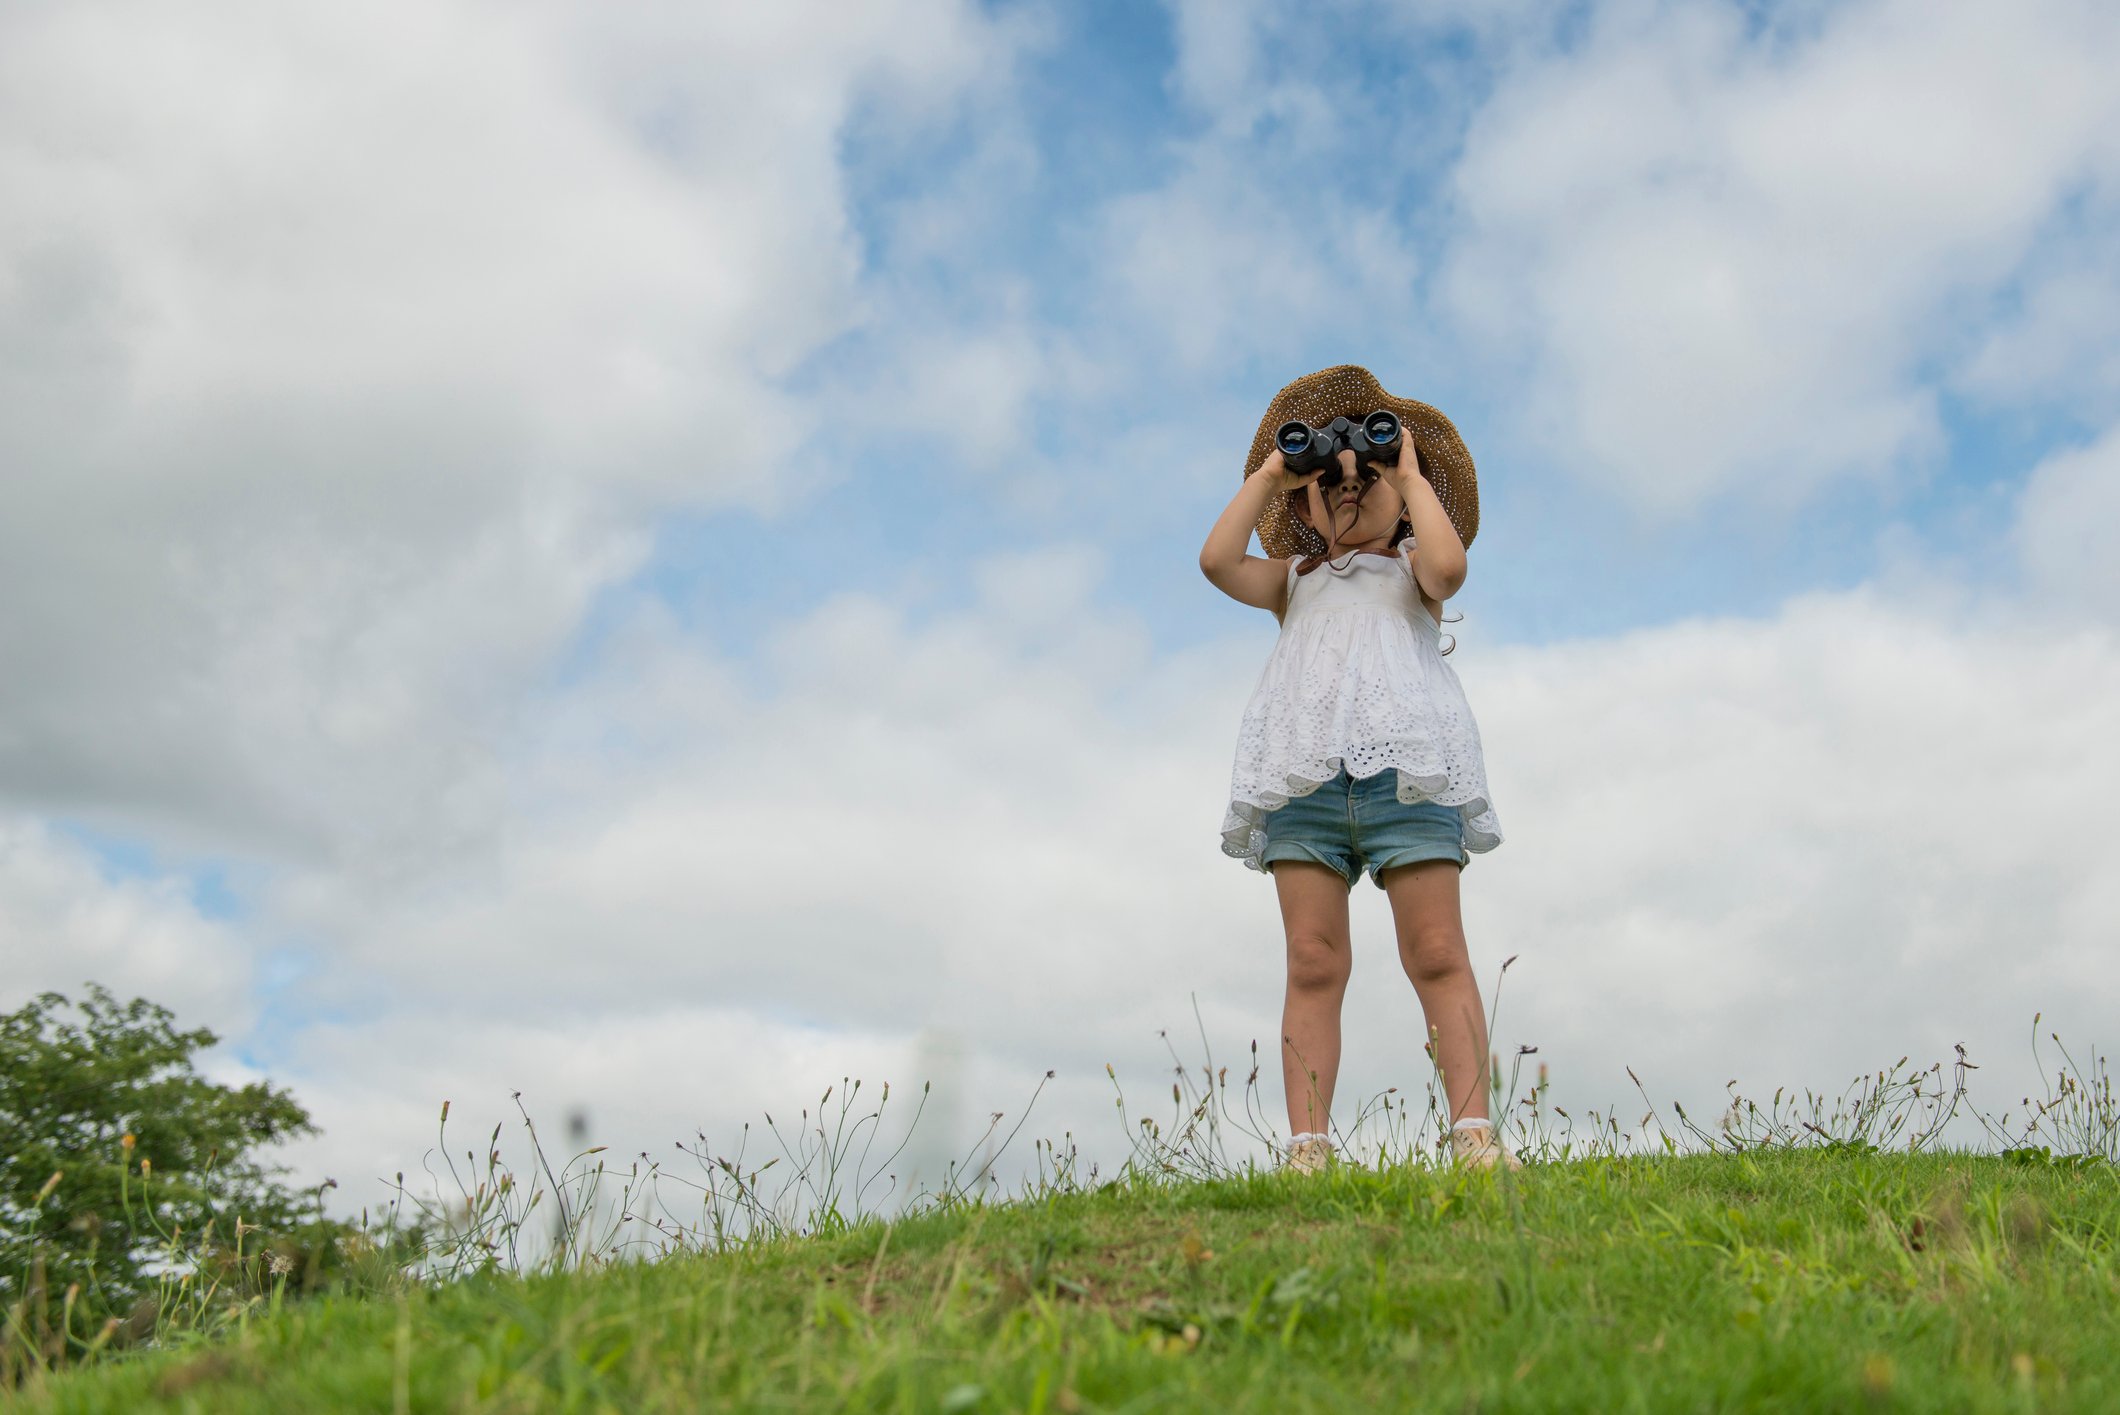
{"x":1305,"y":448}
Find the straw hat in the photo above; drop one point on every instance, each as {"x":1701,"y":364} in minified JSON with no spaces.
{"x":1349,"y":390}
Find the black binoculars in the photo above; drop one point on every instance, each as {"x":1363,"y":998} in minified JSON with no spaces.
{"x":1305,"y":448}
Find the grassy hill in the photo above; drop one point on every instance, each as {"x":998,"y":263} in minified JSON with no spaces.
{"x":1783,"y":1279}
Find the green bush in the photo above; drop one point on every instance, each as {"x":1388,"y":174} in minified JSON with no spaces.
{"x":131,"y":1192}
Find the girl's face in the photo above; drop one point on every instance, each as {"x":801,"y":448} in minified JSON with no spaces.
{"x":1356,"y":511}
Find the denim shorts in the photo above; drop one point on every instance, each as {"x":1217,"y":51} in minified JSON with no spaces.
{"x":1348,"y":823}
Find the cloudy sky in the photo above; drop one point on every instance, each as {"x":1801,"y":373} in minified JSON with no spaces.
{"x":647,"y":555}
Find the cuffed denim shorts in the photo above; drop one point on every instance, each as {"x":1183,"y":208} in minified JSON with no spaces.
{"x":1348,"y":823}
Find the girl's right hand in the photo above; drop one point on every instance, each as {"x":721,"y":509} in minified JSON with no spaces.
{"x":1281,"y":480}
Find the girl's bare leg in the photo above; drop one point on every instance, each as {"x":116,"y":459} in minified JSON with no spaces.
{"x":1431,"y":933}
{"x":1320,"y":958}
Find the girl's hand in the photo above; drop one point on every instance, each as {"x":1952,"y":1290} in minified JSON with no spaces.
{"x":1280,"y":479}
{"x":1406,"y":471}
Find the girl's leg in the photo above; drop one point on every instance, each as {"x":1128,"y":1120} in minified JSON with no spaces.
{"x":1424,"y":913}
{"x":1314,"y":915}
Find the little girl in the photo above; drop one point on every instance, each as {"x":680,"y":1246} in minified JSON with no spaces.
{"x":1358,"y":749}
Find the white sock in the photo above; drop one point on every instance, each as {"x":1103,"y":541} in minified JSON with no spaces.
{"x":1473,"y":1125}
{"x":1295,"y":1140}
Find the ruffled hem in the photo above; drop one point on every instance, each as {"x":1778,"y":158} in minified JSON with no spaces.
{"x":1244,"y":832}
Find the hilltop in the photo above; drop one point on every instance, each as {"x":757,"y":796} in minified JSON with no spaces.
{"x":1785,"y":1279}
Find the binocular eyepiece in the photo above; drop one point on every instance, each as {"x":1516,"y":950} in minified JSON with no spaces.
{"x":1305,"y":448}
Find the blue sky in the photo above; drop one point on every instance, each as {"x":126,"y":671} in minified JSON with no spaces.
{"x":1557,"y":557}
{"x":664,"y":543}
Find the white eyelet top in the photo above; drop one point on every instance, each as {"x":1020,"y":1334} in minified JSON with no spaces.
{"x":1357,"y":679}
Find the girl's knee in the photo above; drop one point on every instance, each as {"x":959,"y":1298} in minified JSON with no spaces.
{"x":1318,"y":963}
{"x":1434,"y":957}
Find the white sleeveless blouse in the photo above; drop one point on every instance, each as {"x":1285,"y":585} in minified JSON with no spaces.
{"x":1357,"y":679}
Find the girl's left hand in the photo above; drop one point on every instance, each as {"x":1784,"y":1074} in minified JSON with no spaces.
{"x":1406,"y":470}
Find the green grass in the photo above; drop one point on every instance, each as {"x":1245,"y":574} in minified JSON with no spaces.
{"x":1783,"y":1279}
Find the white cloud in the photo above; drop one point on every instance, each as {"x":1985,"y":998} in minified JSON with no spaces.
{"x":2063,"y":530}
{"x":64,"y":924}
{"x":1217,"y":62}
{"x":343,"y":355}
{"x":1274,"y":228}
{"x":1232,"y":259}
{"x":1730,"y":263}
{"x":2053,"y":344}
{"x":904,"y":826}
{"x":1769,"y":848}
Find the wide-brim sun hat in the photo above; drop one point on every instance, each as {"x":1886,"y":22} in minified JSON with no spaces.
{"x":1349,"y":390}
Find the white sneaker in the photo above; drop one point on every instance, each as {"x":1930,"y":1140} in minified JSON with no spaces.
{"x":1477,"y":1147}
{"x":1310,"y":1155}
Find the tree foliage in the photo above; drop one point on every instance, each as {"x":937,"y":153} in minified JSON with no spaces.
{"x":125,"y":1177}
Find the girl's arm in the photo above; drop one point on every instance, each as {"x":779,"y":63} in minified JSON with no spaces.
{"x":1438,"y":555}
{"x":1244,"y":577}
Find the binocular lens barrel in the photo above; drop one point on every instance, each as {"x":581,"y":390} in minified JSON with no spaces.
{"x":1306,"y":448}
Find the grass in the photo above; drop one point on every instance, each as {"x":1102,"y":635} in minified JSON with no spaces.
{"x":1797,"y":1254}
{"x":1779,"y":1280}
